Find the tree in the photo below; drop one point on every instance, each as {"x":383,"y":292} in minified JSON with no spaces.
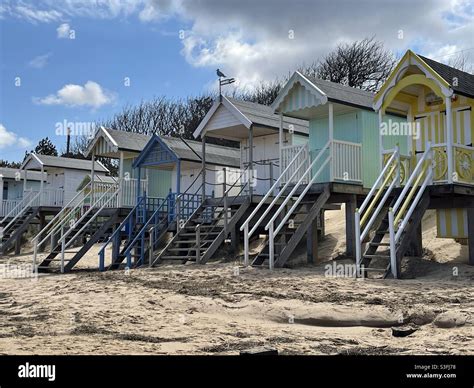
{"x":6,"y":163}
{"x":264,"y":93}
{"x":462,"y":62}
{"x":46,"y":147}
{"x":363,"y":64}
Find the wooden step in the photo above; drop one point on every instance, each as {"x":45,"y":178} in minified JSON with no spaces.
{"x":189,"y":258}
{"x":376,"y":257}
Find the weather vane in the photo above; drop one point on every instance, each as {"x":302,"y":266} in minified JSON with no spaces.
{"x":223,"y":80}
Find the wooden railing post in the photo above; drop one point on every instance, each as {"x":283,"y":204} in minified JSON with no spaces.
{"x":198,"y":243}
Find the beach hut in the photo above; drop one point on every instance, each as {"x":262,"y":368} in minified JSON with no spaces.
{"x":63,"y":176}
{"x":432,"y":166}
{"x":12,"y":185}
{"x":256,"y":129}
{"x":335,"y":165}
{"x":153,"y":216}
{"x":124,"y":147}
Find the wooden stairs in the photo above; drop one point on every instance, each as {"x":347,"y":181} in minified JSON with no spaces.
{"x":203,"y":233}
{"x":98,"y":228}
{"x":16,"y":229}
{"x":293,"y":230}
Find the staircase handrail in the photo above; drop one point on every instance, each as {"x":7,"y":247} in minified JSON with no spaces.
{"x":29,"y":204}
{"x":92,"y":207}
{"x":270,"y":224}
{"x":145,"y":225}
{"x":270,"y":191}
{"x":300,"y":181}
{"x":60,"y":216}
{"x":122,"y":224}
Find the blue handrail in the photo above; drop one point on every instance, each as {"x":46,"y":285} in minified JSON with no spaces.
{"x":141,"y":233}
{"x":115,"y":234}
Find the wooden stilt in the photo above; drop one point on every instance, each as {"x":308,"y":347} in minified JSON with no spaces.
{"x":350,"y":226}
{"x":470,"y":228}
{"x":312,"y":242}
{"x":416,"y":244}
{"x":42,"y":225}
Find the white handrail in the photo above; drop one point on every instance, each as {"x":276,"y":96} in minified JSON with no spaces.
{"x":308,"y":170}
{"x":245,"y":225}
{"x":90,"y":210}
{"x":21,"y":212}
{"x":413,"y":205}
{"x":62,"y":240}
{"x":277,"y":197}
{"x":412,"y":177}
{"x":60,"y":214}
{"x":270,"y":225}
{"x":360,"y":236}
{"x":301,"y":196}
{"x":379,"y":207}
{"x":270,"y":191}
{"x":378,"y":181}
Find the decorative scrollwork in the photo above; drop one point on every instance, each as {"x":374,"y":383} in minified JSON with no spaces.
{"x":402,"y":168}
{"x":464,"y":165}
{"x":440,"y":163}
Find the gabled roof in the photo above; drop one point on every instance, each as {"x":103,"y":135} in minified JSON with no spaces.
{"x":251,"y":113}
{"x":46,"y":161}
{"x":396,"y":79}
{"x":324,"y":91}
{"x":119,"y":140}
{"x":465,"y":81}
{"x":191,"y":151}
{"x":10,"y":173}
{"x":344,"y":94}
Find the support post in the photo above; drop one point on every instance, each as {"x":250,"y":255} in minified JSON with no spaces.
{"x":2,"y":210}
{"x":380,"y":140}
{"x":122,"y":192}
{"x":331,"y":139}
{"x":271,"y":175}
{"x":449,"y":135}
{"x":312,"y":242}
{"x":416,"y":244}
{"x":25,"y":178}
{"x":246,"y":245}
{"x":250,"y":175}
{"x":350,"y":226}
{"x":203,"y":188}
{"x":178,"y":177}
{"x":41,"y":187}
{"x":92,"y":177}
{"x":198,"y":243}
{"x":280,"y":143}
{"x":470,"y":228}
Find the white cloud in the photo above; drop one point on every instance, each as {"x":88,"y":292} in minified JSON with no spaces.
{"x":35,"y":15}
{"x":40,"y":61}
{"x":11,"y":139}
{"x":91,"y":94}
{"x":63,"y":31}
{"x":250,"y":39}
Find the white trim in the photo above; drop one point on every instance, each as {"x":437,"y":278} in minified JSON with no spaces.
{"x":244,"y":120}
{"x":298,"y":77}
{"x":28,"y":159}
{"x":108,"y":137}
{"x":411,"y":60}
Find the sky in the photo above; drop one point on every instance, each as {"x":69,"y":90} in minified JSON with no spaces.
{"x":75,"y":62}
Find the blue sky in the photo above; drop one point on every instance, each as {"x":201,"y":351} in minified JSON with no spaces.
{"x":172,"y":48}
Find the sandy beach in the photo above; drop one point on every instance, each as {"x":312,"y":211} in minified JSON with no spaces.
{"x":224,"y":308}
